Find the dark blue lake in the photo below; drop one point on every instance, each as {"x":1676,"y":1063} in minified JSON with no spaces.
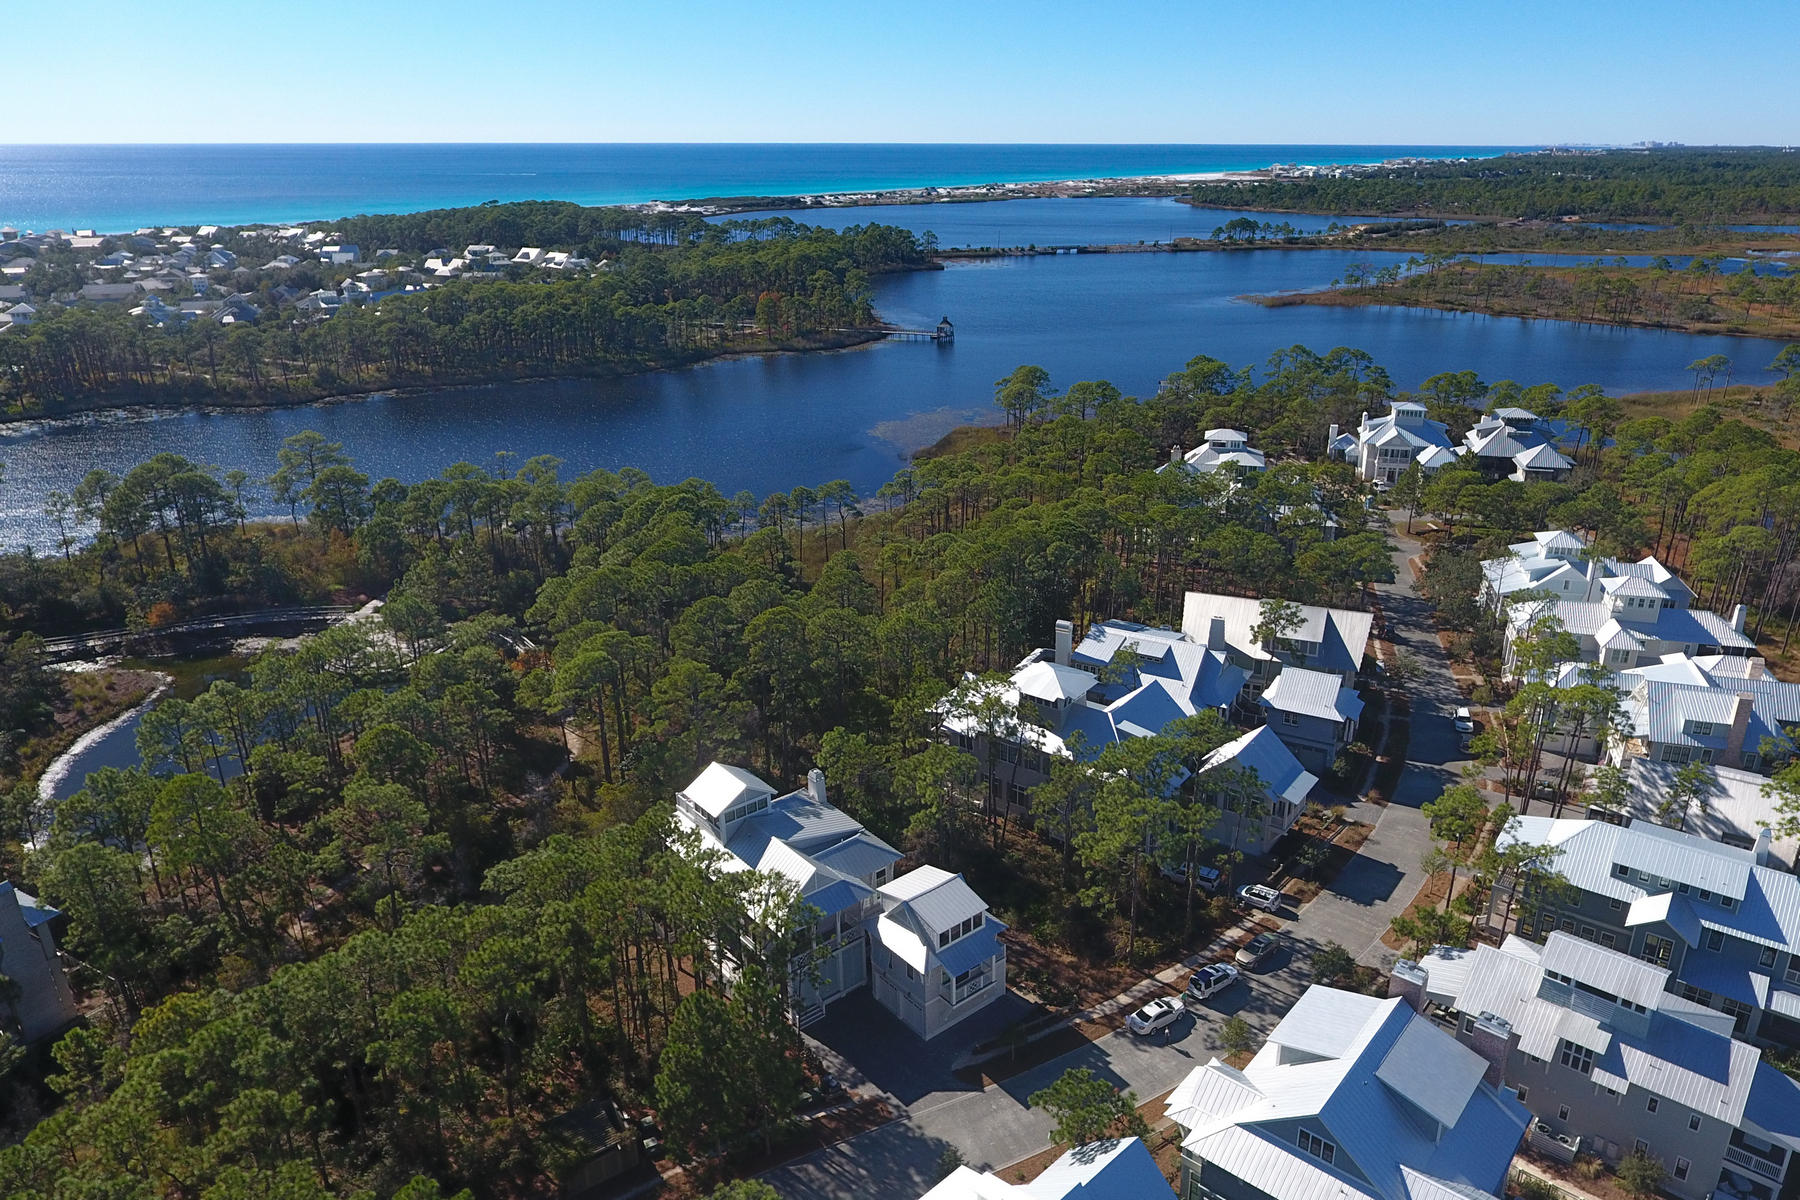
{"x":772,"y":423}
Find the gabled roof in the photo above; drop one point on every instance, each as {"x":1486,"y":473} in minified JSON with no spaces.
{"x":1312,"y":694}
{"x":1736,"y":808}
{"x":937,"y":898}
{"x":1372,"y":1077}
{"x":720,"y":785}
{"x":1766,"y":904}
{"x":1664,"y":1052}
{"x":1260,"y":750}
{"x":1342,"y":634}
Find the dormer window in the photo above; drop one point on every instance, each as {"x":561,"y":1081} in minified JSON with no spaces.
{"x":1315,"y":1145}
{"x":961,"y":931}
{"x":1701,"y":728}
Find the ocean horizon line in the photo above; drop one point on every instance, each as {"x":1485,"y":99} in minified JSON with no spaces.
{"x":125,"y":186}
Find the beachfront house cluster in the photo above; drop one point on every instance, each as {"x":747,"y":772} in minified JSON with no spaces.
{"x":920,"y":939}
{"x":170,"y":276}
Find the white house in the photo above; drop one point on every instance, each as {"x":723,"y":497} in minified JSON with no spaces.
{"x":1351,"y":1098}
{"x":338,"y":255}
{"x":1223,"y":449}
{"x":1121,"y":1169}
{"x":43,"y":1004}
{"x":1384,"y":448}
{"x":1314,"y":713}
{"x":1557,"y":562}
{"x":923,"y":938}
{"x":1633,"y":621}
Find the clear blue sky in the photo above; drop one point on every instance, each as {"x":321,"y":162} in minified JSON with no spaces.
{"x":1357,"y":71}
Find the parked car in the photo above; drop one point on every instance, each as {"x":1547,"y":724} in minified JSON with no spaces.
{"x":1260,"y":895}
{"x":1544,"y":789}
{"x":1210,"y":980}
{"x":1207,"y":879}
{"x":1158,"y":1014}
{"x":1465,"y":722}
{"x":1256,"y":951}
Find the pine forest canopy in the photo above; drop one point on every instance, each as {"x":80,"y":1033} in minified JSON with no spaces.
{"x":1699,"y":186}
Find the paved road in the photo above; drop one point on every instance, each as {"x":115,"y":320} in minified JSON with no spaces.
{"x":994,"y":1127}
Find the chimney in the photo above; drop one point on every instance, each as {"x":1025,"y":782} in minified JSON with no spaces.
{"x":1174,"y":455}
{"x":1738,"y":613}
{"x":1409,"y":980}
{"x":1493,"y":1040}
{"x":1065,"y":642}
{"x":1331,"y":435}
{"x":815,"y":786}
{"x":1365,"y":420}
{"x":1765,"y":845}
{"x":1740,"y":723}
{"x":1754,"y":667}
{"x":1215,"y":633}
{"x":1593,"y":579}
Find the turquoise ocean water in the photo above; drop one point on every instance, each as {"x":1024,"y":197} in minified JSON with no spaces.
{"x":119,"y":188}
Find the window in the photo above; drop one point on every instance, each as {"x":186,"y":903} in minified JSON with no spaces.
{"x":1468,"y":1023}
{"x":1562,"y":1113}
{"x":1657,"y":950}
{"x":960,"y":931}
{"x":1694,"y":1123}
{"x":1288,"y":718}
{"x":1640,"y":1146}
{"x":1703,"y":728}
{"x":1621,"y":870}
{"x":1315,"y":1145}
{"x":1615,"y":904}
{"x":1682,"y":1166}
{"x":1576,"y":1058}
{"x":1715,"y":940}
{"x":1650,"y":1105}
{"x":1767,"y":958}
{"x":1727,"y":902}
{"x":1520,"y":1093}
{"x":1697,"y":995}
{"x":1608,"y":939}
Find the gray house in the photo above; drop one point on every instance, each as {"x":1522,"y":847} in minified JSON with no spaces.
{"x":44,"y":1003}
{"x":1610,"y":1062}
{"x":1724,"y":923}
{"x":1313,"y":713}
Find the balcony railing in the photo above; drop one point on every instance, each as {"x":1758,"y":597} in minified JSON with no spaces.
{"x":1761,"y":1166}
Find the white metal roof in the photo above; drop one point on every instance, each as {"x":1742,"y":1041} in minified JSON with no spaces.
{"x":1053,"y":681}
{"x":717,"y":787}
{"x":937,"y":898}
{"x":1613,"y":972}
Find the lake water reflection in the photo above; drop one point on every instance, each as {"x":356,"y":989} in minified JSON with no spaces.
{"x":771,"y":423}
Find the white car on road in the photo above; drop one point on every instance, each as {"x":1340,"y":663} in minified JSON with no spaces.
{"x":1209,"y":981}
{"x":1158,"y":1014}
{"x":1260,"y":895}
{"x":1465,"y":721}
